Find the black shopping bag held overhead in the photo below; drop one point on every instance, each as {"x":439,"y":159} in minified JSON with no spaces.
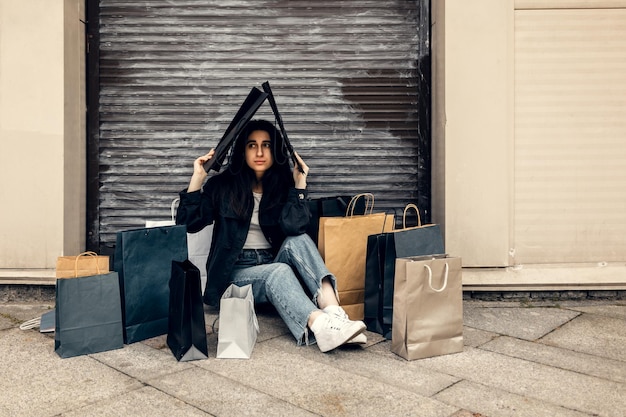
{"x":281,"y":126}
{"x":251,"y":104}
{"x":186,"y":335}
{"x":249,"y":107}
{"x":143,"y":260}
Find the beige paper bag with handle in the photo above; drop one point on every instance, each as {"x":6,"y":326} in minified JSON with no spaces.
{"x":82,"y":265}
{"x":427,"y":307}
{"x":343,"y":245}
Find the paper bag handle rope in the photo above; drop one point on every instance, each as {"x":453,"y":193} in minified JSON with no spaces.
{"x":31,"y":324}
{"x":88,"y":253}
{"x":430,"y":278}
{"x":419,"y":219}
{"x":173,"y":208}
{"x":369,"y":204}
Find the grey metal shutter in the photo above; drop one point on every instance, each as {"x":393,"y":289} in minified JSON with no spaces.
{"x":174,"y":72}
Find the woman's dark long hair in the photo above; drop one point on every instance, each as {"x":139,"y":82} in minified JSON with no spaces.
{"x":238,"y":179}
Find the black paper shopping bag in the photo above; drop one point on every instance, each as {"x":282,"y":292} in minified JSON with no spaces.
{"x":382,"y":251}
{"x":379,"y":272}
{"x":88,"y":315}
{"x":186,"y":335}
{"x":247,"y":110}
{"x":143,"y":260}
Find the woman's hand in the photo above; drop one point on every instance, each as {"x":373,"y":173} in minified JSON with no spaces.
{"x":299,"y":177}
{"x":199,"y":174}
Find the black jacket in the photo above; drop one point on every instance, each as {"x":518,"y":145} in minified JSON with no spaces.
{"x":198,"y":210}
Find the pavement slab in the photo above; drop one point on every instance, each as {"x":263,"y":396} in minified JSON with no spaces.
{"x":476,"y":337}
{"x":582,"y":363}
{"x":12,"y":315}
{"x":552,"y":359}
{"x":593,"y":334}
{"x":389,"y":369}
{"x":6,"y":322}
{"x":489,"y":401}
{"x":223,"y":396}
{"x":141,"y":361}
{"x":142,"y":402}
{"x":521,"y":322}
{"x":616,"y":311}
{"x":35,"y":381}
{"x":571,"y":390}
{"x":322,"y":388}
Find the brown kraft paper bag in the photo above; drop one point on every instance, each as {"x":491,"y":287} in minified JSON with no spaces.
{"x":343,"y":245}
{"x":427,"y":307}
{"x":82,"y":265}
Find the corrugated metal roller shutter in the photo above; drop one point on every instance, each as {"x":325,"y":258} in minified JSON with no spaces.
{"x":570,"y":135}
{"x":173,"y":73}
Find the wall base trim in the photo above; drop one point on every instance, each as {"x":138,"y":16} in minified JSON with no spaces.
{"x":567,"y":277}
{"x":27,"y":276}
{"x":600,"y":277}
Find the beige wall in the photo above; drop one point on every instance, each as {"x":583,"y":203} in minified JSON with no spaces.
{"x":42,"y":156}
{"x":480,"y":170}
{"x":472,"y":128}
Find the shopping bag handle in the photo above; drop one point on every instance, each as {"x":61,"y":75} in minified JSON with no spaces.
{"x":430,"y":278}
{"x":369,"y":204}
{"x":173,"y":207}
{"x":88,"y":253}
{"x":411,"y":206}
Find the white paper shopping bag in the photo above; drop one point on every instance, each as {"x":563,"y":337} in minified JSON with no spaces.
{"x":238,"y":325}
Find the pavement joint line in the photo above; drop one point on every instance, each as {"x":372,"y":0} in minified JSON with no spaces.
{"x":538,"y":340}
{"x":447,"y":388}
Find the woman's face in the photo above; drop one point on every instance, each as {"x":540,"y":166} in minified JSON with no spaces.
{"x":259,"y":152}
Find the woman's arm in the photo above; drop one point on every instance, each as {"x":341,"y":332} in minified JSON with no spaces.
{"x":199,"y":174}
{"x":195,"y":209}
{"x":295,"y":215}
{"x":299,"y":177}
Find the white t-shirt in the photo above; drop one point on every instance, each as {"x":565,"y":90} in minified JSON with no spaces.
{"x":256,"y":238}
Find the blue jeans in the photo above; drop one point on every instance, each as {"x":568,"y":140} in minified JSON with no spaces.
{"x":291,"y":281}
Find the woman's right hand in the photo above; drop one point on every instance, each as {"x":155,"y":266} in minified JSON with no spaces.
{"x":198,"y":164}
{"x":199,"y":173}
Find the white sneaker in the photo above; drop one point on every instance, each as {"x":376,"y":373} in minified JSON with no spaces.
{"x":337,"y":311}
{"x":332,"y":332}
{"x":359,"y":339}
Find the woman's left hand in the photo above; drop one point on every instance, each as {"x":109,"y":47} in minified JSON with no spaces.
{"x":299,"y":176}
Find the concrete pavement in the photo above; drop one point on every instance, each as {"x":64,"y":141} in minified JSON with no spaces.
{"x":520,"y":359}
